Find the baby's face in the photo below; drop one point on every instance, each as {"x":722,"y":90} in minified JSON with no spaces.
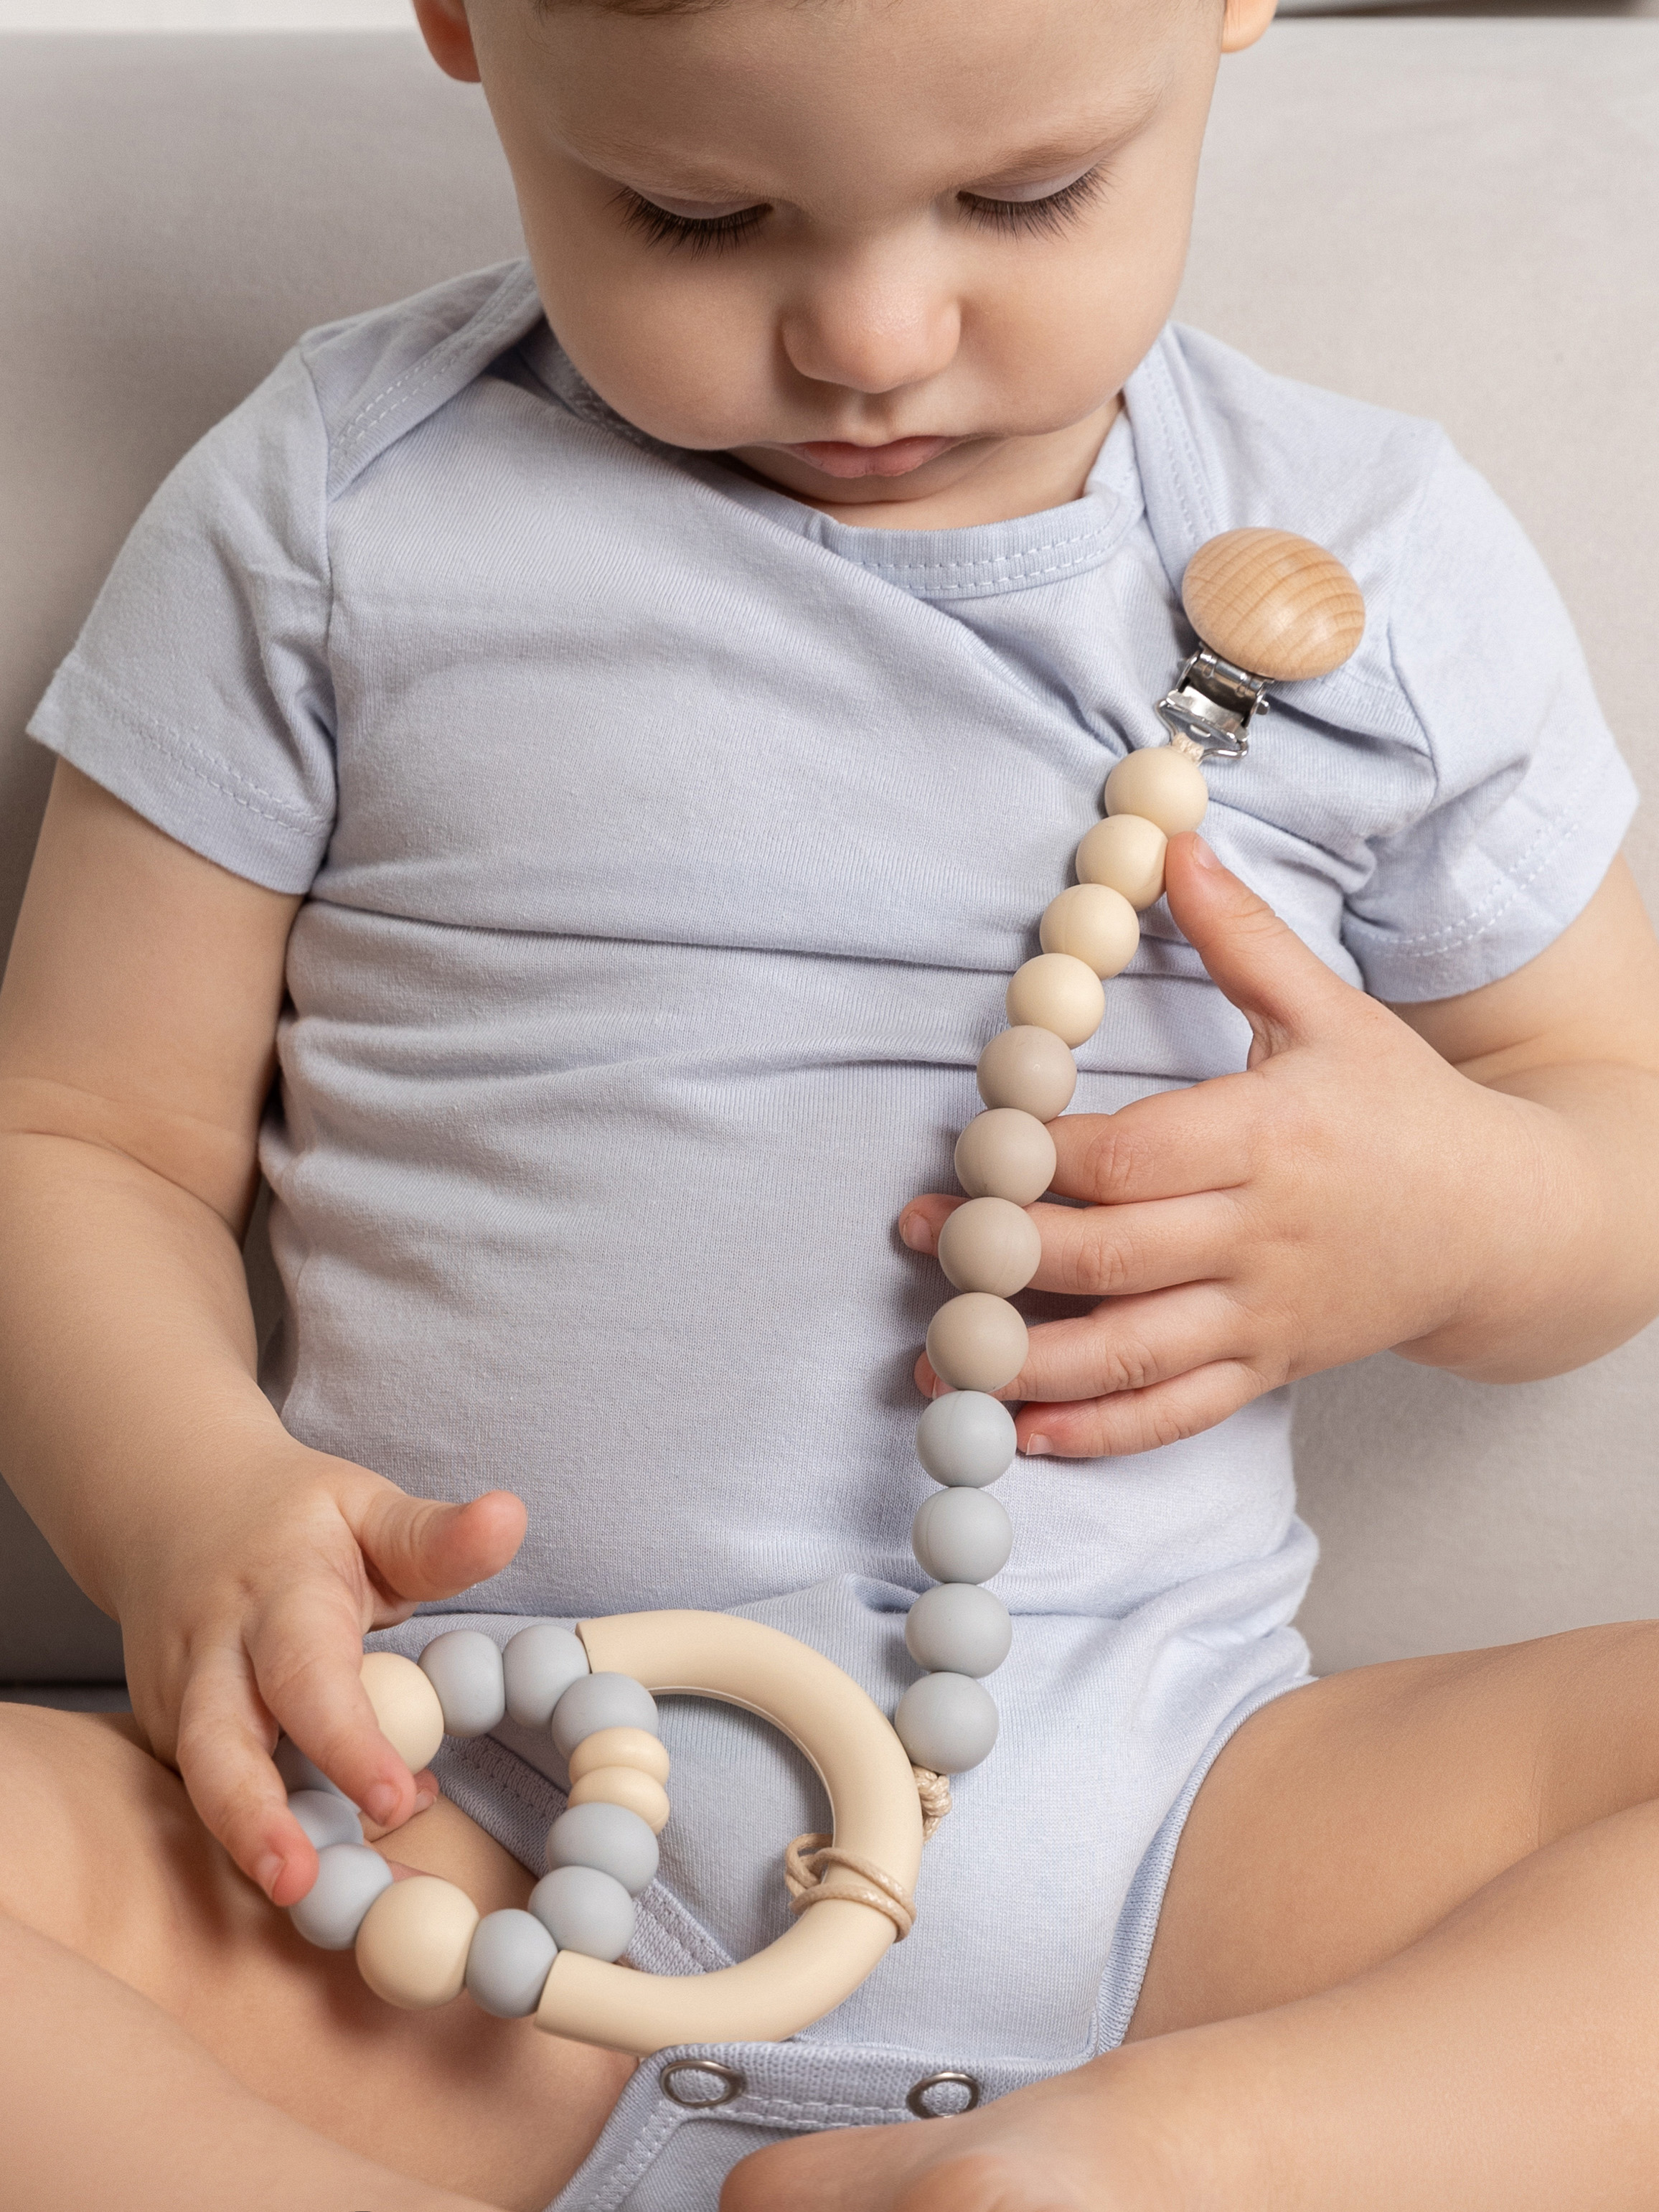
{"x":877,"y":249}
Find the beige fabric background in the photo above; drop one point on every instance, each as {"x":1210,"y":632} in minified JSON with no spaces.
{"x":1453,"y":217}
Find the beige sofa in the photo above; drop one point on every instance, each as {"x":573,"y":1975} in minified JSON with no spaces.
{"x":1454,"y":216}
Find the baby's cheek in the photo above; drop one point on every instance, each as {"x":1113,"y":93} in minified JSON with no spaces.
{"x":690,"y":361}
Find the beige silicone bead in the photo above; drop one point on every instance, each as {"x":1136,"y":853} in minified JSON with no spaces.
{"x":620,"y":1747}
{"x":976,"y":1342}
{"x":624,"y":1785}
{"x":405,"y":1706}
{"x":990,"y":1245}
{"x":1056,"y":991}
{"x":412,"y":1946}
{"x":1093,"y":924}
{"x":1004,"y":1153}
{"x":1031,"y":1068}
{"x":1126,"y":852}
{"x":1160,"y":785}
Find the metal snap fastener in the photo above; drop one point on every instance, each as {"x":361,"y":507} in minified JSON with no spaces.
{"x":678,"y":2080}
{"x":917,"y":2098}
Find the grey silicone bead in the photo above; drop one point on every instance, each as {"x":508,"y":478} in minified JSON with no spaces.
{"x":507,"y":1964}
{"x":465,"y":1667}
{"x":962,"y":1536}
{"x":966,"y":1438}
{"x":608,"y":1837}
{"x":946,"y":1721}
{"x":349,"y":1877}
{"x":957,"y":1628}
{"x":540,"y":1664}
{"x":583,"y":1910}
{"x":602,"y":1701}
{"x":299,"y":1773}
{"x":327,"y":1817}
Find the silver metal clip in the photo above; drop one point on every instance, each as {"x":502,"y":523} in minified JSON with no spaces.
{"x":1209,"y":712}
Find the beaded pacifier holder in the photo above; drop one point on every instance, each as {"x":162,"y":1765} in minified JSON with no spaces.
{"x":1268,"y":608}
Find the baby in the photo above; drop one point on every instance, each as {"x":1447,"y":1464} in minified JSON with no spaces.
{"x":595,"y":738}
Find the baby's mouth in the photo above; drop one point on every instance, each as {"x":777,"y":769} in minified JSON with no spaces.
{"x":839,"y":456}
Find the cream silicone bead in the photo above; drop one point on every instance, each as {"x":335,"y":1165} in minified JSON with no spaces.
{"x":990,"y":1245}
{"x":412,"y":1946}
{"x":1003,"y":1153}
{"x":406,"y":1707}
{"x":620,"y":1747}
{"x":1126,"y":852}
{"x":1030,"y":1068}
{"x":1056,"y":991}
{"x":1093,"y":923}
{"x":1160,"y":785}
{"x":627,"y":1787}
{"x":976,"y":1342}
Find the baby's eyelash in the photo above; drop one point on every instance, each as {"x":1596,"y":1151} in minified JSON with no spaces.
{"x":701,"y":234}
{"x":1046,"y":218}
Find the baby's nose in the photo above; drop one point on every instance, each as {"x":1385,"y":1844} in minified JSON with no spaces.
{"x":872,"y":326}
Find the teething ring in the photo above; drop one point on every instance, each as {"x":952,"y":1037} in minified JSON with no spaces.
{"x":419,"y":1939}
{"x":874,"y":1812}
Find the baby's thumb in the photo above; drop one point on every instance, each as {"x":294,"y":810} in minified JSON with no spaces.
{"x":1283,"y":990}
{"x":417,"y":1549}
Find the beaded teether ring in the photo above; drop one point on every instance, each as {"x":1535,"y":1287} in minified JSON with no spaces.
{"x":1267,"y":607}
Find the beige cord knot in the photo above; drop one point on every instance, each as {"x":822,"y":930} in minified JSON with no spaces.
{"x":813,"y":1869}
{"x":934,"y":1791}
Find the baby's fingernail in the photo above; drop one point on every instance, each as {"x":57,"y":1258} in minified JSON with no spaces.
{"x":424,"y":1799}
{"x":381,"y":1804}
{"x":917,"y":1231}
{"x":1036,"y":1447}
{"x":269,"y":1872}
{"x":1203,"y":855}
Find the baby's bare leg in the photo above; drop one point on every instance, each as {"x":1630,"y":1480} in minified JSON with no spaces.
{"x":1409,"y":1960}
{"x":120,"y":1908}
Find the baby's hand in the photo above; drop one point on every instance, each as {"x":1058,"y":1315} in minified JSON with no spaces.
{"x":254,"y":1623}
{"x":1350,"y":1191}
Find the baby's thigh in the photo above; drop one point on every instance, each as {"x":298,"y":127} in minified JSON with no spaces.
{"x":1346,"y":1819}
{"x":100,"y":1849}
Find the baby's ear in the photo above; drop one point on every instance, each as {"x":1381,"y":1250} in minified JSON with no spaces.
{"x":1245,"y":22}
{"x":448,"y":36}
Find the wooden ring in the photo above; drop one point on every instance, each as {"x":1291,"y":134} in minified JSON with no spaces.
{"x":874,"y":1811}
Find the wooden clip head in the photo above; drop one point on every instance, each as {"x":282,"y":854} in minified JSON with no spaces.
{"x":1274,"y":604}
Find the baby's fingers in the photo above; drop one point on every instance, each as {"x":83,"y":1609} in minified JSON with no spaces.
{"x":1140,"y":1420}
{"x":223,"y":1754}
{"x":308,"y":1660}
{"x":1126,"y":1350}
{"x":1111,"y":1251}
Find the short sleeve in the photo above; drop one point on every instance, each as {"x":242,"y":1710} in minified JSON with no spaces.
{"x":199,"y":690}
{"x":1531,"y":797}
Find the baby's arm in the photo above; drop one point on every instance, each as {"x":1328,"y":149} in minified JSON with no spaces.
{"x":138,"y":1023}
{"x":1473,"y":1182}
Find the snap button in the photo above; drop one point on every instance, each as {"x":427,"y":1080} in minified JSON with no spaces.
{"x":919,"y":2097}
{"x":699,"y":2084}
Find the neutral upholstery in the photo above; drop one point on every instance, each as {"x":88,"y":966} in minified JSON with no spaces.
{"x":1450,"y":216}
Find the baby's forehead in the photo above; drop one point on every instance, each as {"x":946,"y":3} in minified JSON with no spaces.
{"x":723,"y":90}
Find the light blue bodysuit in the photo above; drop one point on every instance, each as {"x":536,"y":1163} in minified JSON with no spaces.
{"x":667,"y":848}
